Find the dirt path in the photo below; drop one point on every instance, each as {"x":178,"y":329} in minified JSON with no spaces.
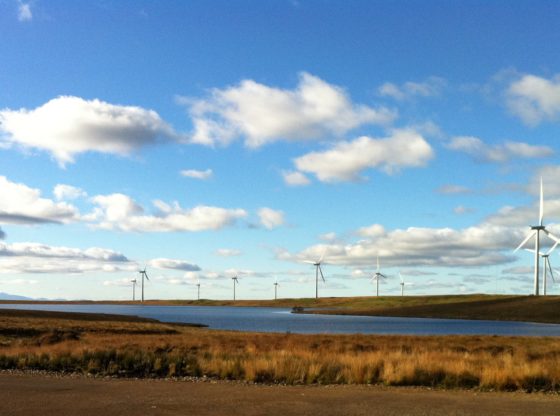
{"x":45,"y":395}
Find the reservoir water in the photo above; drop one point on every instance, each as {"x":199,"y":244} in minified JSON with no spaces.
{"x":282,"y":320}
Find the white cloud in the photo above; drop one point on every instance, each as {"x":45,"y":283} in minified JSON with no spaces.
{"x":41,"y":258}
{"x":371,"y":231}
{"x":67,"y":126}
{"x":501,"y":153}
{"x":120,"y":212}
{"x":429,"y":88}
{"x":453,"y":189}
{"x":292,"y":178}
{"x":21,"y":204}
{"x":65,"y":192}
{"x":344,"y":161}
{"x":270,"y":218}
{"x":174,"y":264}
{"x":197,"y":174}
{"x":262,"y":114}
{"x":534,"y":99}
{"x":24,"y":12}
{"x":461,"y":210}
{"x":228,"y":252}
{"x":414,"y":247}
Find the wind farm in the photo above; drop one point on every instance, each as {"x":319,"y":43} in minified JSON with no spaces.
{"x":249,"y":201}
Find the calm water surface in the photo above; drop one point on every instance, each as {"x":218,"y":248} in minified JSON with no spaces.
{"x":281,"y":320}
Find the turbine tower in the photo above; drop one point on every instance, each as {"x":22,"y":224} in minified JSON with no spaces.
{"x":318,"y":271}
{"x":276,"y":289}
{"x":378,"y":275}
{"x":235,"y":282}
{"x":144,"y":275}
{"x":133,"y":281}
{"x":402,"y":284}
{"x":536,"y":232}
{"x":198,"y":290}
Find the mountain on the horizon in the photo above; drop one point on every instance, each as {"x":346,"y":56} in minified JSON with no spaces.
{"x":7,"y":296}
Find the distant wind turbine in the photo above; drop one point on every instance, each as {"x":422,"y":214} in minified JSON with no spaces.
{"x":318,"y":271}
{"x":144,"y":275}
{"x":535,"y":232}
{"x":235,"y":282}
{"x":133,"y":281}
{"x":402,"y":284}
{"x":547,"y":266}
{"x":198,"y":290}
{"x":276,"y":289}
{"x":378,"y":275}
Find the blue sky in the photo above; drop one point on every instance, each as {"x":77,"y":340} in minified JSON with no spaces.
{"x":207,"y":139}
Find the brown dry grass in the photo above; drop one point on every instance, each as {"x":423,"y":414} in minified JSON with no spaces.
{"x":151,"y":349}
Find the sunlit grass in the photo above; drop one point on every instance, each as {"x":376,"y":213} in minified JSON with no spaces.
{"x":140,"y":349}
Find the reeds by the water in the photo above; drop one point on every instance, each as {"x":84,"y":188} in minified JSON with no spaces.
{"x":158,"y":350}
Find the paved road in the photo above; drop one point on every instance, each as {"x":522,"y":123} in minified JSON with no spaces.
{"x":23,"y":394}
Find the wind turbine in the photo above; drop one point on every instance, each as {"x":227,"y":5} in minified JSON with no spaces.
{"x":535,"y":232}
{"x":133,"y":281}
{"x":198,"y":290}
{"x":143,"y":274}
{"x":546,"y":258}
{"x":318,"y":270}
{"x":402,"y":284}
{"x":276,"y":289}
{"x":378,"y":275}
{"x":235,"y":282}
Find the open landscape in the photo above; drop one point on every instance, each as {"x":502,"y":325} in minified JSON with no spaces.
{"x":107,"y":346}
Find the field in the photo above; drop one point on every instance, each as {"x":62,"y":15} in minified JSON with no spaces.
{"x":135,"y":347}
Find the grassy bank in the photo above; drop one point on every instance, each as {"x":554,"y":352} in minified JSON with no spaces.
{"x":492,"y":307}
{"x":139,"y":348}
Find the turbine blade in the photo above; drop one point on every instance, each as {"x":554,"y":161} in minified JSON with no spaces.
{"x":541,"y":207}
{"x":400,"y":275}
{"x":309,"y":262}
{"x":321,"y":271}
{"x":550,"y":268}
{"x":551,"y":236}
{"x":322,"y":255}
{"x":532,"y":233}
{"x":553,"y":247}
{"x":146,"y":274}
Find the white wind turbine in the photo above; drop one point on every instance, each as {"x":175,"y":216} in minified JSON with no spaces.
{"x":535,"y":232}
{"x":378,"y":275}
{"x":402,"y":284}
{"x":198,"y":289}
{"x":235,"y":282}
{"x":133,"y":281}
{"x":318,"y":271}
{"x":144,"y":275}
{"x":276,"y":289}
{"x":547,"y":266}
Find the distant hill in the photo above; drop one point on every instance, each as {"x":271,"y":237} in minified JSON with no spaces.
{"x":7,"y":296}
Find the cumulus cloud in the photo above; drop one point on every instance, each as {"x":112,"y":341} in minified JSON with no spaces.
{"x":21,"y":204}
{"x":67,"y":192}
{"x":197,"y":174}
{"x":121,"y":212}
{"x":453,"y":189}
{"x":292,"y":178}
{"x":270,"y":218}
{"x":415,"y":246}
{"x":534,"y":99}
{"x":24,"y":12}
{"x":174,"y":264}
{"x":374,"y":230}
{"x":30,"y":257}
{"x":67,"y":126}
{"x":500,"y":153}
{"x":262,"y":114}
{"x":432,"y":86}
{"x":344,"y":161}
{"x":228,"y":252}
